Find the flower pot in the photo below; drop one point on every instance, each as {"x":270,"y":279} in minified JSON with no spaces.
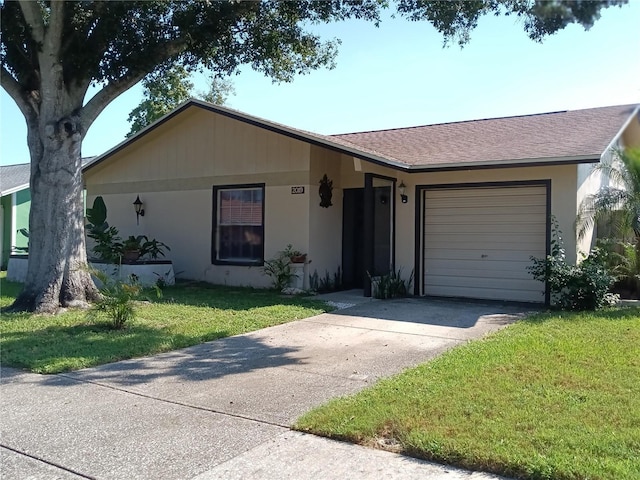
{"x":131,"y":255}
{"x":299,"y":258}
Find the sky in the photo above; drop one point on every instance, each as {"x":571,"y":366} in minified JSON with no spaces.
{"x":399,"y":75}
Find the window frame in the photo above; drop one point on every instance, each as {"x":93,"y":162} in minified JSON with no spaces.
{"x":215,"y":226}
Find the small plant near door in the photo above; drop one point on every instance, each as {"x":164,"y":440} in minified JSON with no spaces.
{"x":279,"y":268}
{"x":327,"y":283}
{"x":391,"y":285}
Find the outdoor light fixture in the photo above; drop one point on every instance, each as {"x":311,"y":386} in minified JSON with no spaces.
{"x":403,"y":189}
{"x":139,"y":210}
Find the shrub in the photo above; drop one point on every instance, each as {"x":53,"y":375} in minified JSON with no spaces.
{"x":108,"y":246}
{"x":327,"y":283}
{"x":584,"y":286}
{"x":279,"y":269}
{"x":117,"y":300}
{"x":391,"y":285}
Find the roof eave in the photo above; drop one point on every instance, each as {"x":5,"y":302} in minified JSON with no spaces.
{"x":522,"y":162}
{"x":18,"y":188}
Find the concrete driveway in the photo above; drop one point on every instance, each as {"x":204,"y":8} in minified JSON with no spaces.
{"x":222,"y":409}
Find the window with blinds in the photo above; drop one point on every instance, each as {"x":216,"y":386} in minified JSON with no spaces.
{"x":239,"y":229}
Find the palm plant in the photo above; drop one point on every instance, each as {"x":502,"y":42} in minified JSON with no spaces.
{"x":619,"y":203}
{"x":618,"y":206}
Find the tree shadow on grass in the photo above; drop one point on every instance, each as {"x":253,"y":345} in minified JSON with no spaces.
{"x":57,"y":349}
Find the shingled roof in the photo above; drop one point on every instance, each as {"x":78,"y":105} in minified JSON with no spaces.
{"x":14,"y":178}
{"x":576,"y":135}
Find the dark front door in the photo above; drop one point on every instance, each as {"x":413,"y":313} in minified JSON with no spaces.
{"x":353,"y":238}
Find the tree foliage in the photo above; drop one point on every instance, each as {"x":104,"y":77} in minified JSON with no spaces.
{"x":163,"y":92}
{"x":51,"y":52}
{"x":166,"y":90}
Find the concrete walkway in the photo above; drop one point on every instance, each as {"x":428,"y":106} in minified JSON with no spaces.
{"x":222,"y":410}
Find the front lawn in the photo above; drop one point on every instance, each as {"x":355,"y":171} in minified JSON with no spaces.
{"x":552,"y":397}
{"x":186,"y":315}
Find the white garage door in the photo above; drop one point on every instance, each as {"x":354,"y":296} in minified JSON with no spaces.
{"x":478,"y":242}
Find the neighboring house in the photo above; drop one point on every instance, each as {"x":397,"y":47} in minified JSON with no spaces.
{"x":226,"y":191}
{"x":15,"y":202}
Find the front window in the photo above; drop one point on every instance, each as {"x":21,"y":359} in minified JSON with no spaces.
{"x":239,"y":225}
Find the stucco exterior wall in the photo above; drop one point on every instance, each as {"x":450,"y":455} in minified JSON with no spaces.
{"x":174,"y":168}
{"x":325,"y":224}
{"x":631,"y":135}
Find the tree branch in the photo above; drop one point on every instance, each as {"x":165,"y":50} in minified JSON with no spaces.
{"x":100,"y":100}
{"x":12,"y":87}
{"x":54,"y":30}
{"x":33,"y":16}
{"x":104,"y":97}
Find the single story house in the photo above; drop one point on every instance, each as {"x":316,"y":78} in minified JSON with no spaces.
{"x":15,"y":202}
{"x":461,"y":205}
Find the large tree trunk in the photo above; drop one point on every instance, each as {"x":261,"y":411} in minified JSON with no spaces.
{"x":57,"y":275}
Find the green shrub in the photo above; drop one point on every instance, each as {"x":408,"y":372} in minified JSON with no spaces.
{"x":279,"y":269}
{"x":117,"y":301}
{"x":391,"y":285}
{"x":584,"y":286}
{"x":327,"y":283}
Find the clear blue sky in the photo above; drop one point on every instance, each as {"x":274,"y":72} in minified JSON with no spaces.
{"x":399,"y":75}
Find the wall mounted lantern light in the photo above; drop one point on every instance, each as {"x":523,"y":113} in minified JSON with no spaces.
{"x":139,"y":210}
{"x":403,"y":192}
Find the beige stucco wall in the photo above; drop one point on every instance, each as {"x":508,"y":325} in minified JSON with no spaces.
{"x":631,"y":135}
{"x":174,"y":169}
{"x":325,"y":224}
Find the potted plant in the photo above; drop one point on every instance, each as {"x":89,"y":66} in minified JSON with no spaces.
{"x":132,"y":248}
{"x":295,"y":256}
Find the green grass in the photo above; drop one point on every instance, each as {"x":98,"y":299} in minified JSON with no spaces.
{"x":186,"y":315}
{"x":552,"y":397}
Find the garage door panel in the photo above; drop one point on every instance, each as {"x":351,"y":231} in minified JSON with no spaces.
{"x":465,"y":283}
{"x":481,"y":212}
{"x":525,"y":201}
{"x":488,"y":192}
{"x":473,"y":229}
{"x":457,"y":243}
{"x":484,"y":219}
{"x":478,"y":242}
{"x":489,"y":294}
{"x":476,"y":268}
{"x":449,"y":255}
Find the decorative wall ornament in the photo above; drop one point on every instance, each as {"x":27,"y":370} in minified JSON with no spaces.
{"x":325,"y":191}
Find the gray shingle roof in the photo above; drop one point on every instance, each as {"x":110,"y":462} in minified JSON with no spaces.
{"x":13,"y":177}
{"x":559,"y":135}
{"x":16,"y":177}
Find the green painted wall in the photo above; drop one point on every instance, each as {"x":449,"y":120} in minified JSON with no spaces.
{"x":23,"y":205}
{"x":5,"y":204}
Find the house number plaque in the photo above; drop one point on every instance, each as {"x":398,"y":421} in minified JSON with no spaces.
{"x":297,"y":190}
